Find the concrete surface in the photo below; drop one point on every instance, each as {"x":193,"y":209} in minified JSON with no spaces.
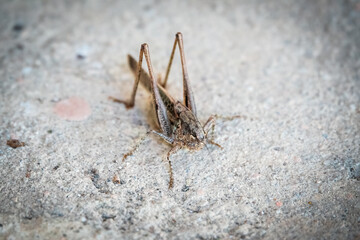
{"x":292,"y":172}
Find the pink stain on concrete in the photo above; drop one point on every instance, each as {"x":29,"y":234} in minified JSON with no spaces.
{"x":73,"y":109}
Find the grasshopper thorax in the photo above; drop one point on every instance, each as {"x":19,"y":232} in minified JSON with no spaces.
{"x":190,"y":132}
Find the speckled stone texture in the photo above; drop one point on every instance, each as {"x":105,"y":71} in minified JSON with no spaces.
{"x":290,"y":170}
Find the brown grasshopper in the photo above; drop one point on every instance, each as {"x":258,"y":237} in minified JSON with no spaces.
{"x":178,"y":122}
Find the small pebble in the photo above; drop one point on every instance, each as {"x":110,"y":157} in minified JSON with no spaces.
{"x":18,"y":27}
{"x":116,"y":179}
{"x":14,"y":143}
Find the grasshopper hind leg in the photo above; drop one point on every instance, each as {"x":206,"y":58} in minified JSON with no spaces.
{"x":187,"y":92}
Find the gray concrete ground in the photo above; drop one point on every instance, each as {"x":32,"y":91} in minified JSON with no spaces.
{"x":290,"y":170}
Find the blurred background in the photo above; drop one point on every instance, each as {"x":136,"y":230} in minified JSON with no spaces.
{"x":289,"y":169}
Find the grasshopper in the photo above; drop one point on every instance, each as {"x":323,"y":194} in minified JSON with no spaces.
{"x":178,"y":122}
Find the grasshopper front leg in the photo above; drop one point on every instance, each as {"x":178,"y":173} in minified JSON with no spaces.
{"x":210,"y":125}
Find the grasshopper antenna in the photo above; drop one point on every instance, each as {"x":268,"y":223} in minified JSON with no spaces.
{"x":137,"y":145}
